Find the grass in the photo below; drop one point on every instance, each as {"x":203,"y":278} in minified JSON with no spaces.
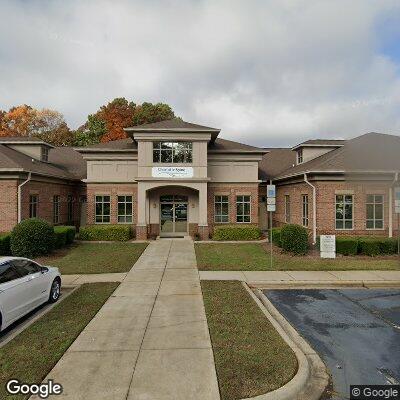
{"x":34,"y":352}
{"x":250,"y":356}
{"x":256,"y":257}
{"x":95,"y":258}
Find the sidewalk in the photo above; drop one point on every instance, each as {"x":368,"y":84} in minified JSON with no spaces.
{"x":150,"y":340}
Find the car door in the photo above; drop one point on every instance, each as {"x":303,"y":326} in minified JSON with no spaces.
{"x":14,"y":293}
{"x":37,"y":281}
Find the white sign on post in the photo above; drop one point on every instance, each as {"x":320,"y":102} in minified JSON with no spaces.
{"x":271,"y":191}
{"x":271,"y":200}
{"x":328,"y":246}
{"x":271,"y":207}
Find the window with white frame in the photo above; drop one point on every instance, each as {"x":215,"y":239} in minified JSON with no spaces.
{"x":125,"y":209}
{"x":243,"y":209}
{"x":287,"y":208}
{"x":172,"y":152}
{"x":56,"y":209}
{"x":103,"y":209}
{"x":305,"y":210}
{"x":221,"y":209}
{"x":344,"y":211}
{"x":70,"y":208}
{"x":45,"y":154}
{"x":374,"y":211}
{"x":33,"y":205}
{"x":299,"y":156}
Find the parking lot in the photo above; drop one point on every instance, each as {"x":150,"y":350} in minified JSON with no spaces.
{"x":355,"y":331}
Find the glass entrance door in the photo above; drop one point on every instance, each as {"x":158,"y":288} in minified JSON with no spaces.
{"x":173,"y":216}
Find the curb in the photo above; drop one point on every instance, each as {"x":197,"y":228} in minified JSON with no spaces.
{"x":323,"y":284}
{"x":311,"y":378}
{"x":231,"y":241}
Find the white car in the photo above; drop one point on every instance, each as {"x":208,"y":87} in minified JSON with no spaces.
{"x":25,"y":285}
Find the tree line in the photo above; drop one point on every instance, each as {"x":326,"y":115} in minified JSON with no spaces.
{"x":106,"y":125}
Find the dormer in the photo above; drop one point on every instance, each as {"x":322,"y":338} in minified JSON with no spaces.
{"x":314,"y":148}
{"x":32,"y":147}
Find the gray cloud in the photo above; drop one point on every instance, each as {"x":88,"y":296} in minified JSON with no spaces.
{"x":268,"y":72}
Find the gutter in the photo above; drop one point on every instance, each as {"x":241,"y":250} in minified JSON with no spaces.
{"x":396,"y":177}
{"x":314,"y":227}
{"x":20,"y":196}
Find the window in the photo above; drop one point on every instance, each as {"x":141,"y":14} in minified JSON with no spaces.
{"x":305,"y":210}
{"x":8,"y":273}
{"x":56,"y":209}
{"x":243,"y":208}
{"x":344,"y":211}
{"x":70,"y":208}
{"x":221,"y":209}
{"x":25,"y":267}
{"x":299,"y":156}
{"x":172,"y":152}
{"x":45,"y":154}
{"x":125,"y":209}
{"x":103,"y":208}
{"x":375,"y":211}
{"x":287,"y":208}
{"x":33,"y":205}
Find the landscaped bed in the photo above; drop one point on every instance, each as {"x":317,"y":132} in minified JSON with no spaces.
{"x":34,"y":352}
{"x":256,"y":257}
{"x":250,"y":356}
{"x":95,"y":258}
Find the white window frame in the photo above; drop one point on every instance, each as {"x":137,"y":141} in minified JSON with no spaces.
{"x":287,"y":209}
{"x":125,"y":215}
{"x":70,"y":208}
{"x":243,"y":215}
{"x":221,"y":202}
{"x":158,"y":149}
{"x":33,"y":204}
{"x":100,"y":199}
{"x":44,"y":154}
{"x":344,"y":207}
{"x":56,"y":208}
{"x":305,"y":210}
{"x":374,"y":220}
{"x":299,"y":156}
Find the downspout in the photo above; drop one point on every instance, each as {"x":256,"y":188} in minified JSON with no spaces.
{"x":396,"y":176}
{"x":314,"y":227}
{"x":20,"y":196}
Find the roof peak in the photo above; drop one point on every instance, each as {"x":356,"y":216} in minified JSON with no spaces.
{"x":174,"y":124}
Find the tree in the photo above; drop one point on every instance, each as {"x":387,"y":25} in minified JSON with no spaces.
{"x":148,"y":113}
{"x":18,"y":121}
{"x":91,"y":132}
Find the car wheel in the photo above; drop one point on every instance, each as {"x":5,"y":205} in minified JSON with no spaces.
{"x":55,"y":291}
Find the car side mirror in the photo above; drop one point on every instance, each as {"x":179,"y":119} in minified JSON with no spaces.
{"x":44,"y":270}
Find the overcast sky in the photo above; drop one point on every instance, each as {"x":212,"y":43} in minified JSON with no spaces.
{"x":267,"y":72}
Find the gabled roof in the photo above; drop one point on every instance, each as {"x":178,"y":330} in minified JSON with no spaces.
{"x":22,"y":140}
{"x":275,"y":162}
{"x":126,"y":144}
{"x":225,"y":146}
{"x":174,"y":124}
{"x":63,"y":163}
{"x":320,"y":143}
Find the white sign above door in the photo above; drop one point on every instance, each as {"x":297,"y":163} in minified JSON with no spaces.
{"x":172,"y":172}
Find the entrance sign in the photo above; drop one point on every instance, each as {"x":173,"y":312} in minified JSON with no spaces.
{"x":172,"y":172}
{"x":328,"y":246}
{"x":271,"y":191}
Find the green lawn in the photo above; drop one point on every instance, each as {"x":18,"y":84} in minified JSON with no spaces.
{"x":250,"y":356}
{"x":256,"y":257}
{"x":95,"y":258}
{"x":34,"y":352}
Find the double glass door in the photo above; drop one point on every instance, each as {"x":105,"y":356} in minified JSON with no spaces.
{"x":173,"y":215}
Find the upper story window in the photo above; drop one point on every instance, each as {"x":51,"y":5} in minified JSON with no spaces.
{"x":172,"y":152}
{"x":299,"y":156}
{"x":45,"y":154}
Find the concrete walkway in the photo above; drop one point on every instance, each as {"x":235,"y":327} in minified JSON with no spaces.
{"x":150,"y":340}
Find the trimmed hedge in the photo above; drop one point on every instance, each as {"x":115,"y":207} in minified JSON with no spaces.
{"x":120,"y":233}
{"x":276,"y":236}
{"x":294,"y":239}
{"x":5,"y":239}
{"x":234,"y":232}
{"x":32,"y":237}
{"x":348,"y":246}
{"x":64,"y":235}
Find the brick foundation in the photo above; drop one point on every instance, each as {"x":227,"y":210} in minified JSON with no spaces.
{"x":141,"y":232}
{"x":204,"y":232}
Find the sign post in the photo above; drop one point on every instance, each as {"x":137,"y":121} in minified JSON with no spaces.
{"x":271,"y":207}
{"x":327,"y":246}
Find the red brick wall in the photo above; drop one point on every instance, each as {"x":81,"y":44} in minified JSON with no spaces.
{"x":8,"y":204}
{"x":232,"y":191}
{"x":113,"y":190}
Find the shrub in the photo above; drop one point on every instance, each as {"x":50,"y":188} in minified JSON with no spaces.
{"x":276,"y":236}
{"x":5,"y":244}
{"x":64,"y":235}
{"x":348,"y":246}
{"x":369,"y":246}
{"x":236,"y":232}
{"x":118,"y":233}
{"x":388,"y":245}
{"x":294,"y":239}
{"x":32,"y":237}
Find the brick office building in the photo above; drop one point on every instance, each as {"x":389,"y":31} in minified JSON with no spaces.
{"x":175,"y":178}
